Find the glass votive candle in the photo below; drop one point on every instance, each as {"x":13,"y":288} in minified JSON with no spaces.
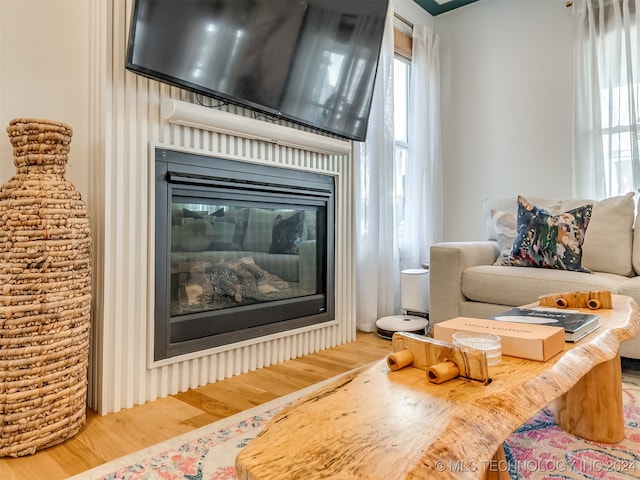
{"x":487,"y":342}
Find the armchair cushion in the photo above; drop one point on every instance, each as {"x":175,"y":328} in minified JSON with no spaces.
{"x":519,"y":286}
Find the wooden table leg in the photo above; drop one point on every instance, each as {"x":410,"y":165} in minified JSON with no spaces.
{"x":592,"y":409}
{"x":498,"y":468}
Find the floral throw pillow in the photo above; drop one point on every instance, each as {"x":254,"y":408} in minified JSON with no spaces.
{"x":549,"y":241}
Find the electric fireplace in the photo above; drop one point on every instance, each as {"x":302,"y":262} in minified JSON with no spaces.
{"x":241,"y":251}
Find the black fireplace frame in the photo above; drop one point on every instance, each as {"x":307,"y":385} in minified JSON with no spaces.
{"x":183,"y":173}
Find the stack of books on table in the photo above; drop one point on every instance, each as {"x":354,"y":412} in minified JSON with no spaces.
{"x":531,"y":333}
{"x":576,"y":324}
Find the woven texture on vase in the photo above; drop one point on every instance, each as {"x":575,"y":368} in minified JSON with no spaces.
{"x":45,"y":296}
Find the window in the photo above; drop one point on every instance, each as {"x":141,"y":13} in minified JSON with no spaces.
{"x":607,"y":101}
{"x":401,"y":80}
{"x":401,"y":77}
{"x":620,"y":136}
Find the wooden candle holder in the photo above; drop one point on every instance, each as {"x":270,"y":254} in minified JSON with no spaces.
{"x":592,"y":300}
{"x":441,"y":360}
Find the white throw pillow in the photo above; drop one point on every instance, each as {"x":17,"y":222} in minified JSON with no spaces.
{"x":504,"y":224}
{"x":608,"y":242}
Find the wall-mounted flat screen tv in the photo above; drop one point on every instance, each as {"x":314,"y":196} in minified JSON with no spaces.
{"x":312,"y":62}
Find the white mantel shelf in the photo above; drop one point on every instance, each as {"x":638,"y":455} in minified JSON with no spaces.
{"x":198,"y":116}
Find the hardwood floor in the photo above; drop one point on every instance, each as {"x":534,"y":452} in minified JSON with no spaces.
{"x":104,"y":438}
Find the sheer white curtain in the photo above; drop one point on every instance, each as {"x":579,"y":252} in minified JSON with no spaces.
{"x":606,"y":102}
{"x":377,"y":258}
{"x":423,"y":195}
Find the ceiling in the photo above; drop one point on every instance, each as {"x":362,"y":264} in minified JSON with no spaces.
{"x":436,"y":7}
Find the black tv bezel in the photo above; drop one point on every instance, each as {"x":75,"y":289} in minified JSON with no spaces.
{"x":243,"y":103}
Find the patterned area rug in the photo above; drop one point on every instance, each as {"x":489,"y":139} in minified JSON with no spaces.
{"x":538,"y":450}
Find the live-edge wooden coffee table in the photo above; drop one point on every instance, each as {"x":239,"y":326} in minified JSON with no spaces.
{"x":378,"y":424}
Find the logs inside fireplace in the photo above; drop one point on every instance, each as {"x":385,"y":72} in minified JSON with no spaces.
{"x":242,"y":250}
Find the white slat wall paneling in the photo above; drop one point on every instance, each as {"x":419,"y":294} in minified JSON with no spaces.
{"x":127,"y":124}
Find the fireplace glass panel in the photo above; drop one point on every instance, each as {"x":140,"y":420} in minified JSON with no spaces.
{"x":226,"y":255}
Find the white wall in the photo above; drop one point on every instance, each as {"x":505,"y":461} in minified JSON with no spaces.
{"x":44,"y":71}
{"x":411,"y":11}
{"x":506,"y":105}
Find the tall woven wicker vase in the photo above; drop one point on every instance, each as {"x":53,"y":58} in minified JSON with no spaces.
{"x":45,"y":293}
